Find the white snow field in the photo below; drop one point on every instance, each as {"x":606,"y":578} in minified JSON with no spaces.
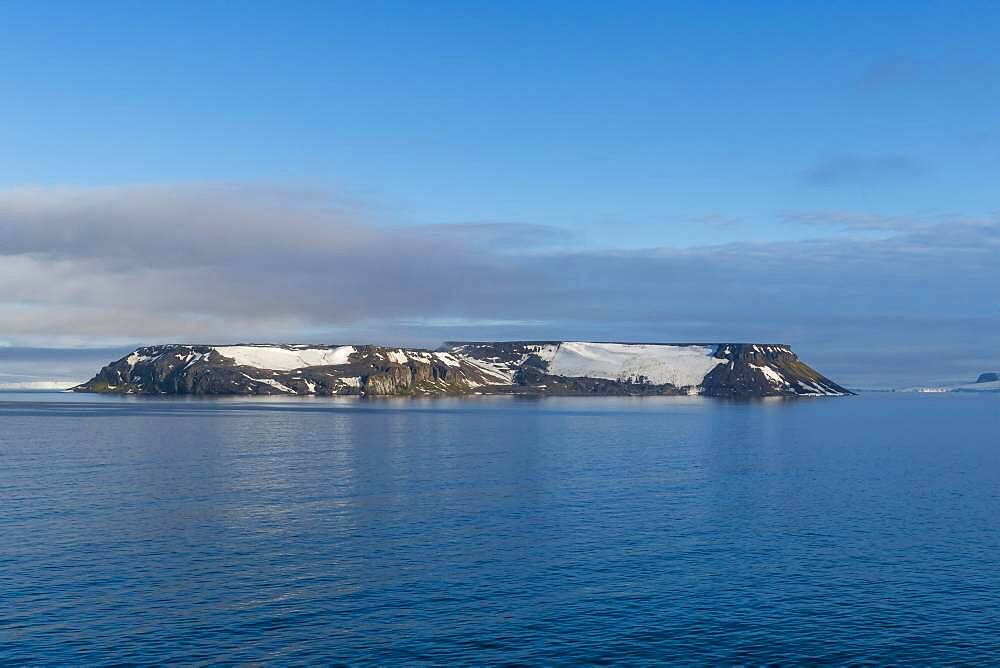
{"x":681,"y":366}
{"x":284,"y":359}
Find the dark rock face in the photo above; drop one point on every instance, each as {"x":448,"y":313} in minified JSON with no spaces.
{"x":757,"y":370}
{"x":988,"y":378}
{"x":515,"y":367}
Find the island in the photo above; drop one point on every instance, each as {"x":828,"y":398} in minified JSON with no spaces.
{"x":557,"y":368}
{"x":986,"y":382}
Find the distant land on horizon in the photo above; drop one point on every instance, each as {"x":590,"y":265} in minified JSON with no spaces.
{"x":559,"y":368}
{"x":986,"y":382}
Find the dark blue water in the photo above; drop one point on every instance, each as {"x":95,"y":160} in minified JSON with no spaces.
{"x":496,"y":530}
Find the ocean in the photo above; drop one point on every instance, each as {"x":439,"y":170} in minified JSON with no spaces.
{"x":499,"y":530}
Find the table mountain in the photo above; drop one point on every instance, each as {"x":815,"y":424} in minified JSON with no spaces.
{"x":735,"y":370}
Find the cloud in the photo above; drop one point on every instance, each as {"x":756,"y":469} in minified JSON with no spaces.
{"x":715,"y":220}
{"x":862,"y":170}
{"x":116,"y":266}
{"x":888,"y":73}
{"x":29,"y":367}
{"x":497,"y":236}
{"x":211,"y":261}
{"x":858,"y":221}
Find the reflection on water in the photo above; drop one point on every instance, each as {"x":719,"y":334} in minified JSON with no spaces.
{"x":498,"y":529}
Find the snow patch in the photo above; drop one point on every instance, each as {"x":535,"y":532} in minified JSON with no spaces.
{"x":285,"y":359}
{"x":448,"y":359}
{"x":397,"y":356}
{"x":273,"y":383}
{"x":497,"y":372}
{"x":772,"y":375}
{"x":681,"y":366}
{"x":135,"y":358}
{"x":194,"y":358}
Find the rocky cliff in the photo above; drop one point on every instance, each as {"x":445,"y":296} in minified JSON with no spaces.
{"x":735,"y":370}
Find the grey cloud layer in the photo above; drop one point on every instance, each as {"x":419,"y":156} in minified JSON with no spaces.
{"x":229,"y":263}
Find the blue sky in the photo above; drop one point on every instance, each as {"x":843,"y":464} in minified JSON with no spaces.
{"x":852,"y":133}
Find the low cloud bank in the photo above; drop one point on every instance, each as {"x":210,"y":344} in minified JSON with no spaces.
{"x":116,"y":266}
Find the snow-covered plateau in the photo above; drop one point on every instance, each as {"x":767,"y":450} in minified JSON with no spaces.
{"x":463,"y":368}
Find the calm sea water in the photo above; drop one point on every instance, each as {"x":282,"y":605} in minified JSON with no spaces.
{"x":500,"y":530}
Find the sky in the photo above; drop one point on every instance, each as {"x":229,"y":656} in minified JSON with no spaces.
{"x":818,"y":174}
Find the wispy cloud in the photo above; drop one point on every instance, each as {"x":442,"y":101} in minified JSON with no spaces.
{"x":893,"y":72}
{"x":890,"y":72}
{"x":855,"y":221}
{"x":862,"y":170}
{"x":718,"y":220}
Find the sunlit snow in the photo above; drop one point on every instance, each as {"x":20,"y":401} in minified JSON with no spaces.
{"x":681,"y":366}
{"x":772,"y":375}
{"x":283,"y":359}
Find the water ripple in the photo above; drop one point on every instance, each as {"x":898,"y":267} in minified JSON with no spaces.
{"x":550,"y":532}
